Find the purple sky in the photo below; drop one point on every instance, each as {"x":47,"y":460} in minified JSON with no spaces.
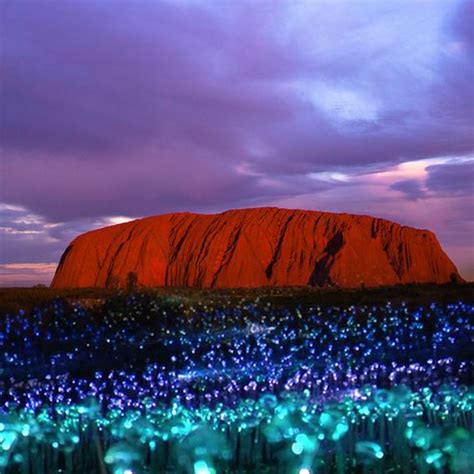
{"x":112,"y":110}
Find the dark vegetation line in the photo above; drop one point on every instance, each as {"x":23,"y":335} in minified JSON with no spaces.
{"x":14,"y":299}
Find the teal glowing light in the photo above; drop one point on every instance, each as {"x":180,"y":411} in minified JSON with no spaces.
{"x":297,"y":448}
{"x":340,"y":430}
{"x":368,"y":451}
{"x":227,"y":397}
{"x":6,"y":446}
{"x":434,"y":457}
{"x":201,"y":467}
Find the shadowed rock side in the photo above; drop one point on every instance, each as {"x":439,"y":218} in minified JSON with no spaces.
{"x":252,"y":248}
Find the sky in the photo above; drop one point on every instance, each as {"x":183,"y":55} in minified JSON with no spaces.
{"x":114,"y":110}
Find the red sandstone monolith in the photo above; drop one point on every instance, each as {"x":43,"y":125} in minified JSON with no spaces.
{"x":253,"y":248}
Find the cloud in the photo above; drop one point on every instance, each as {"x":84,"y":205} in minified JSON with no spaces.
{"x":136,"y":108}
{"x":410,"y":187}
{"x":448,"y":178}
{"x":27,"y":274}
{"x":29,"y":239}
{"x":452,"y":179}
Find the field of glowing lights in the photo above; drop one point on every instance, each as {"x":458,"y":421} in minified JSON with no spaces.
{"x":144,"y":384}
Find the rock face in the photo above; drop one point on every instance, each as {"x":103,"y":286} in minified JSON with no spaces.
{"x":252,"y":248}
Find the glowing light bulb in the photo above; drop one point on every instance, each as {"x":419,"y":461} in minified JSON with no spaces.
{"x":304,"y":470}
